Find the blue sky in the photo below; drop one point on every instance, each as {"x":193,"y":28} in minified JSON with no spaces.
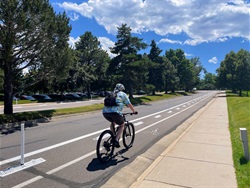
{"x":208,"y":29}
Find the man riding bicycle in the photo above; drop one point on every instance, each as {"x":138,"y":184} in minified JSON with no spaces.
{"x":114,"y":113}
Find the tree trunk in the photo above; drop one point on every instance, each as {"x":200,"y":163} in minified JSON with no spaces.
{"x":8,"y":90}
{"x":130,"y":90}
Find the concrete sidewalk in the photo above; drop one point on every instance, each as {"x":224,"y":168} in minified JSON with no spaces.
{"x":200,"y":156}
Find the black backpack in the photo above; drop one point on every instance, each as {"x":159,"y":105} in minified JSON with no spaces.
{"x":110,"y":99}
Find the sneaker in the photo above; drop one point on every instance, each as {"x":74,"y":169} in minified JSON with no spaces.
{"x":116,"y":144}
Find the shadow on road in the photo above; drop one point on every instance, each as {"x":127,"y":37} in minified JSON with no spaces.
{"x":96,"y":165}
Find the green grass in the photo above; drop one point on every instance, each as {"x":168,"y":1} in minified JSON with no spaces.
{"x":239,"y":117}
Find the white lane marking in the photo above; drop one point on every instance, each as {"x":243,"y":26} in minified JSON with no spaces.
{"x":54,"y":170}
{"x":88,"y":154}
{"x":158,"y":116}
{"x":91,"y":134}
{"x":170,"y":112}
{"x":135,"y":124}
{"x":177,"y":108}
{"x":42,"y":105}
{"x":17,"y":107}
{"x":138,"y":123}
{"x":165,"y":118}
{"x":105,"y":136}
{"x":155,"y":132}
{"x":50,"y":147}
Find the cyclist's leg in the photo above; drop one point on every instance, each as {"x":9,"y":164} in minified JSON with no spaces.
{"x":112,"y":127}
{"x":119,"y":132}
{"x":109,"y":117}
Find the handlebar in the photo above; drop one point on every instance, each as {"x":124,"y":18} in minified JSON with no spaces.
{"x":129,"y":113}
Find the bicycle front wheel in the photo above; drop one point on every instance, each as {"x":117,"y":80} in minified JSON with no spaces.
{"x":128,"y":135}
{"x":105,"y":146}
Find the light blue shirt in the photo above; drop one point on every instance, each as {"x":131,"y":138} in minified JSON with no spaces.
{"x":121,"y":99}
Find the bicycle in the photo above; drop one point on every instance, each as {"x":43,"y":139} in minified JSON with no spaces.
{"x":105,"y":144}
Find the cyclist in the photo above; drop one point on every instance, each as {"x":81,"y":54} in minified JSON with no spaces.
{"x":114,"y":113}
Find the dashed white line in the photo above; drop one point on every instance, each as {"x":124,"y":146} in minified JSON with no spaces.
{"x":158,"y":116}
{"x":138,"y":123}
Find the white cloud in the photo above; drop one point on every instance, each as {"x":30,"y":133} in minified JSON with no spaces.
{"x":106,"y":43}
{"x":166,"y":40}
{"x":72,"y":41}
{"x":84,"y":9}
{"x":214,"y":60}
{"x":201,"y":21}
{"x":188,"y":55}
{"x":74,"y":17}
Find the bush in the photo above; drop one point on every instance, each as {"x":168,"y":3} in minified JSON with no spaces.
{"x":25,"y":116}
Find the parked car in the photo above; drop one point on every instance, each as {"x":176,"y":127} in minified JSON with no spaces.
{"x":15,"y":98}
{"x":57,"y":97}
{"x":72,"y":96}
{"x":140,"y":92}
{"x":82,"y":94}
{"x":27,"y":97}
{"x":42,"y":97}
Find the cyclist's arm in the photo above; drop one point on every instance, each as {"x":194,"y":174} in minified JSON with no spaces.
{"x":131,"y":107}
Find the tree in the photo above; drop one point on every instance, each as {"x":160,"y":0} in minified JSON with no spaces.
{"x":234,"y":71}
{"x":32,"y":37}
{"x":243,"y":71}
{"x":91,"y":61}
{"x":127,"y":63}
{"x":209,"y":82}
{"x":1,"y":80}
{"x":227,"y":72}
{"x":170,"y":76}
{"x":156,"y":70}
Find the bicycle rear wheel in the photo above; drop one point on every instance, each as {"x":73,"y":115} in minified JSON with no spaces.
{"x":105,"y":147}
{"x":128,"y":135}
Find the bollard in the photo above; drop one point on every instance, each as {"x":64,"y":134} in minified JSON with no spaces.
{"x":22,"y":143}
{"x":243,"y":136}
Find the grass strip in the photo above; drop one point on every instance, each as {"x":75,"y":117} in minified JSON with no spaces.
{"x":239,"y":117}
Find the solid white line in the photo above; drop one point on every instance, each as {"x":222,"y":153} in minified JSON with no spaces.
{"x":50,"y":147}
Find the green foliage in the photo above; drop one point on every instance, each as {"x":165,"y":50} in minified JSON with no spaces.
{"x":34,"y":39}
{"x":208,"y":83}
{"x":128,"y":66}
{"x":91,"y":63}
{"x":234,"y":71}
{"x":239,"y":117}
{"x":24,"y":116}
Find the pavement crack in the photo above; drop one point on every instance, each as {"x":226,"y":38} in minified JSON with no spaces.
{"x":203,"y":161}
{"x":172,"y":184}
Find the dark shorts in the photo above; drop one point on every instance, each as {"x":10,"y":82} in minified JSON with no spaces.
{"x":114,"y":117}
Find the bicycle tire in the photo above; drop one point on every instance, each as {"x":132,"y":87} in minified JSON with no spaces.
{"x":105,"y":146}
{"x":128,"y":135}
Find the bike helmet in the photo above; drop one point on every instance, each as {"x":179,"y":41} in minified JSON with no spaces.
{"x":119,"y":87}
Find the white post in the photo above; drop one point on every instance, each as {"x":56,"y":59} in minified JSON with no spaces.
{"x":22,"y":143}
{"x":243,"y":136}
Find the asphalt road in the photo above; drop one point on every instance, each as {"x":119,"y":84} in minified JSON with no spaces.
{"x":51,"y":105}
{"x":68,"y":144}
